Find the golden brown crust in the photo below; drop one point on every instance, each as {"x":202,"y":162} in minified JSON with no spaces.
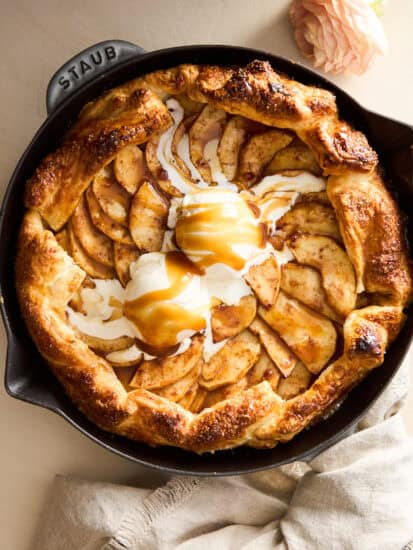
{"x":338,"y":147}
{"x":46,"y":278}
{"x":373,"y":232}
{"x":259,"y":93}
{"x":370,"y":224}
{"x":62,"y":177}
{"x":255,"y":91}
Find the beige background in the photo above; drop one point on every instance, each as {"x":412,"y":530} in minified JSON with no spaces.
{"x":37,"y":37}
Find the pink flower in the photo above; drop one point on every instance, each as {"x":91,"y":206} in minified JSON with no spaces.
{"x":338,"y":35}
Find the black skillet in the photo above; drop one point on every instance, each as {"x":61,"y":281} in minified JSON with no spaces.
{"x":27,"y":376}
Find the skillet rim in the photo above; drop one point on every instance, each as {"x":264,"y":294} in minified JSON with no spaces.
{"x":251,"y":460}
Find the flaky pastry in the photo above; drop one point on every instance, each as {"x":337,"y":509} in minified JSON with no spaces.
{"x":308,"y":325}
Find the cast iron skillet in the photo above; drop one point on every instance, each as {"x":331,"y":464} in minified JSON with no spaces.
{"x":28,"y":378}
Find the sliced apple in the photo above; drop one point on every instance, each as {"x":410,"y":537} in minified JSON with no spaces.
{"x":161,"y":372}
{"x":95,"y":243}
{"x":296,"y":156}
{"x":305,"y":284}
{"x":63,"y":239}
{"x":225,"y":392}
{"x":93,"y":268}
{"x":124,"y":255}
{"x":199,"y":400}
{"x":113,"y":230}
{"x":207,"y":126}
{"x":298,"y":382}
{"x":310,"y":336}
{"x":278,"y":352}
{"x":126,"y":357}
{"x":264,"y":369}
{"x":264,"y":279}
{"x":111,"y":196}
{"x":231,"y":362}
{"x":309,"y":217}
{"x":147,"y":218}
{"x":125,"y":375}
{"x":258,"y":152}
{"x":228,"y":321}
{"x":314,"y":196}
{"x":76,"y":302}
{"x":155,"y":167}
{"x":105,"y":346}
{"x":277,"y":242}
{"x":233,"y":137}
{"x":339,"y":279}
{"x":189,"y":106}
{"x":187,"y":400}
{"x":129,"y":168}
{"x":182,"y":129}
{"x":177,"y":390}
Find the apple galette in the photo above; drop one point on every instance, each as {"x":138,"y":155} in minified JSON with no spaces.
{"x":211,"y":258}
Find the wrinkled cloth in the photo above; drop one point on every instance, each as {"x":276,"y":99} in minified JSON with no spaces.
{"x":356,"y":495}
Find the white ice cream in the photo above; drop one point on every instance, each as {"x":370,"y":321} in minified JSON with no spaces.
{"x":148,"y":273}
{"x":301,"y":183}
{"x":215,"y":218}
{"x":226,"y":284}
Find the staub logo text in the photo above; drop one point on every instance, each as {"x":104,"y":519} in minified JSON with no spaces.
{"x":86,"y":65}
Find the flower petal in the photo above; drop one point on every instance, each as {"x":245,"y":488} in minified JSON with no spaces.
{"x":338,"y":35}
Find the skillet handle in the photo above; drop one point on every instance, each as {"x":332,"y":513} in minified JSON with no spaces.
{"x":85,"y":66}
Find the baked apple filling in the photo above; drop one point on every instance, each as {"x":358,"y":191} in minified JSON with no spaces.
{"x":254,"y":260}
{"x":224,"y":260}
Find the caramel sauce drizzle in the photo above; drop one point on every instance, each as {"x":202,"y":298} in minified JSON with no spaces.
{"x":215,"y":227}
{"x":157,"y":318}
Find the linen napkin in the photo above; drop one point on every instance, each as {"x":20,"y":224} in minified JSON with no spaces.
{"x":355,"y":495}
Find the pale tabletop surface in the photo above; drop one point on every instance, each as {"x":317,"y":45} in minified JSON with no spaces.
{"x":35,"y":39}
